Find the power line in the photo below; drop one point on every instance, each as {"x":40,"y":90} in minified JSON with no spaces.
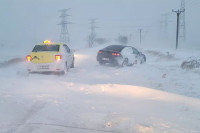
{"x":191,"y":5}
{"x":191,"y":2}
{"x":64,"y":35}
{"x":92,"y":35}
{"x":182,"y":26}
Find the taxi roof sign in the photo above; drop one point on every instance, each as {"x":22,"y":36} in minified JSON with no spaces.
{"x":47,"y":42}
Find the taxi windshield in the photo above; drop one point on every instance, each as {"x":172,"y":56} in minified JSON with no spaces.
{"x":51,"y":48}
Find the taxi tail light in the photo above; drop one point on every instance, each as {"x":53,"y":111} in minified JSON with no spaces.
{"x":28,"y":58}
{"x":58,"y":57}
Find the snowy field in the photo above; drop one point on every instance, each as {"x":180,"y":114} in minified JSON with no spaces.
{"x":155,"y":97}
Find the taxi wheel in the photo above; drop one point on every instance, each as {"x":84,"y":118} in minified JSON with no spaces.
{"x":61,"y":73}
{"x":65,"y":70}
{"x":72,"y":65}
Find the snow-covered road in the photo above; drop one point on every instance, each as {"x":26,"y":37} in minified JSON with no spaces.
{"x":94,"y":98}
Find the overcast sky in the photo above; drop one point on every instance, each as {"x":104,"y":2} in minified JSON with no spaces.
{"x":33,"y":21}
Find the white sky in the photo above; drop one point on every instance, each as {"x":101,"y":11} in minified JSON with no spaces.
{"x":33,"y":21}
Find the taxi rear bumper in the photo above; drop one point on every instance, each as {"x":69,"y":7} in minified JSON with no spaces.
{"x":46,"y":67}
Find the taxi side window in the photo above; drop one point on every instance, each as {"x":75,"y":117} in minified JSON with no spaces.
{"x":66,"y":48}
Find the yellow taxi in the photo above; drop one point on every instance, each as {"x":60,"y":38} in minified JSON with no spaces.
{"x":50,"y":57}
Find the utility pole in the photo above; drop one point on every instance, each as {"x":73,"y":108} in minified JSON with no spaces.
{"x":92,"y":35}
{"x":182,"y":27}
{"x":130,"y":37}
{"x":64,"y":35}
{"x":177,"y":28}
{"x":140,"y":31}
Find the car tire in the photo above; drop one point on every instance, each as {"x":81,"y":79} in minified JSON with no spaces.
{"x":61,"y":73}
{"x":125,"y":62}
{"x":72,"y":65}
{"x":66,"y":69}
{"x":135,"y":62}
{"x":143,"y":60}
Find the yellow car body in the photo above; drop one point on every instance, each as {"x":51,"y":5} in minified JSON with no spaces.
{"x":50,"y":57}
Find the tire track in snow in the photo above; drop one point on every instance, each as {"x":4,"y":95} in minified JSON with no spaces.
{"x":32,"y":112}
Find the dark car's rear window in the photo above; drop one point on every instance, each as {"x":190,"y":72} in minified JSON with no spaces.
{"x":116,"y":48}
{"x":40,"y":48}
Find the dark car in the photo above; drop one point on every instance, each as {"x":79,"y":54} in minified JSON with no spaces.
{"x":120,"y":55}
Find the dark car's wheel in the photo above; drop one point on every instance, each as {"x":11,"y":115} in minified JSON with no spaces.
{"x":125,"y":62}
{"x":143,"y":60}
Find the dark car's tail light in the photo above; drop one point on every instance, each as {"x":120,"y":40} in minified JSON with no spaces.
{"x":100,"y":52}
{"x":28,"y":58}
{"x":58,"y":57}
{"x":116,"y":54}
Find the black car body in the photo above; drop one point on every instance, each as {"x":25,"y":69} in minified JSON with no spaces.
{"x":120,"y":55}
